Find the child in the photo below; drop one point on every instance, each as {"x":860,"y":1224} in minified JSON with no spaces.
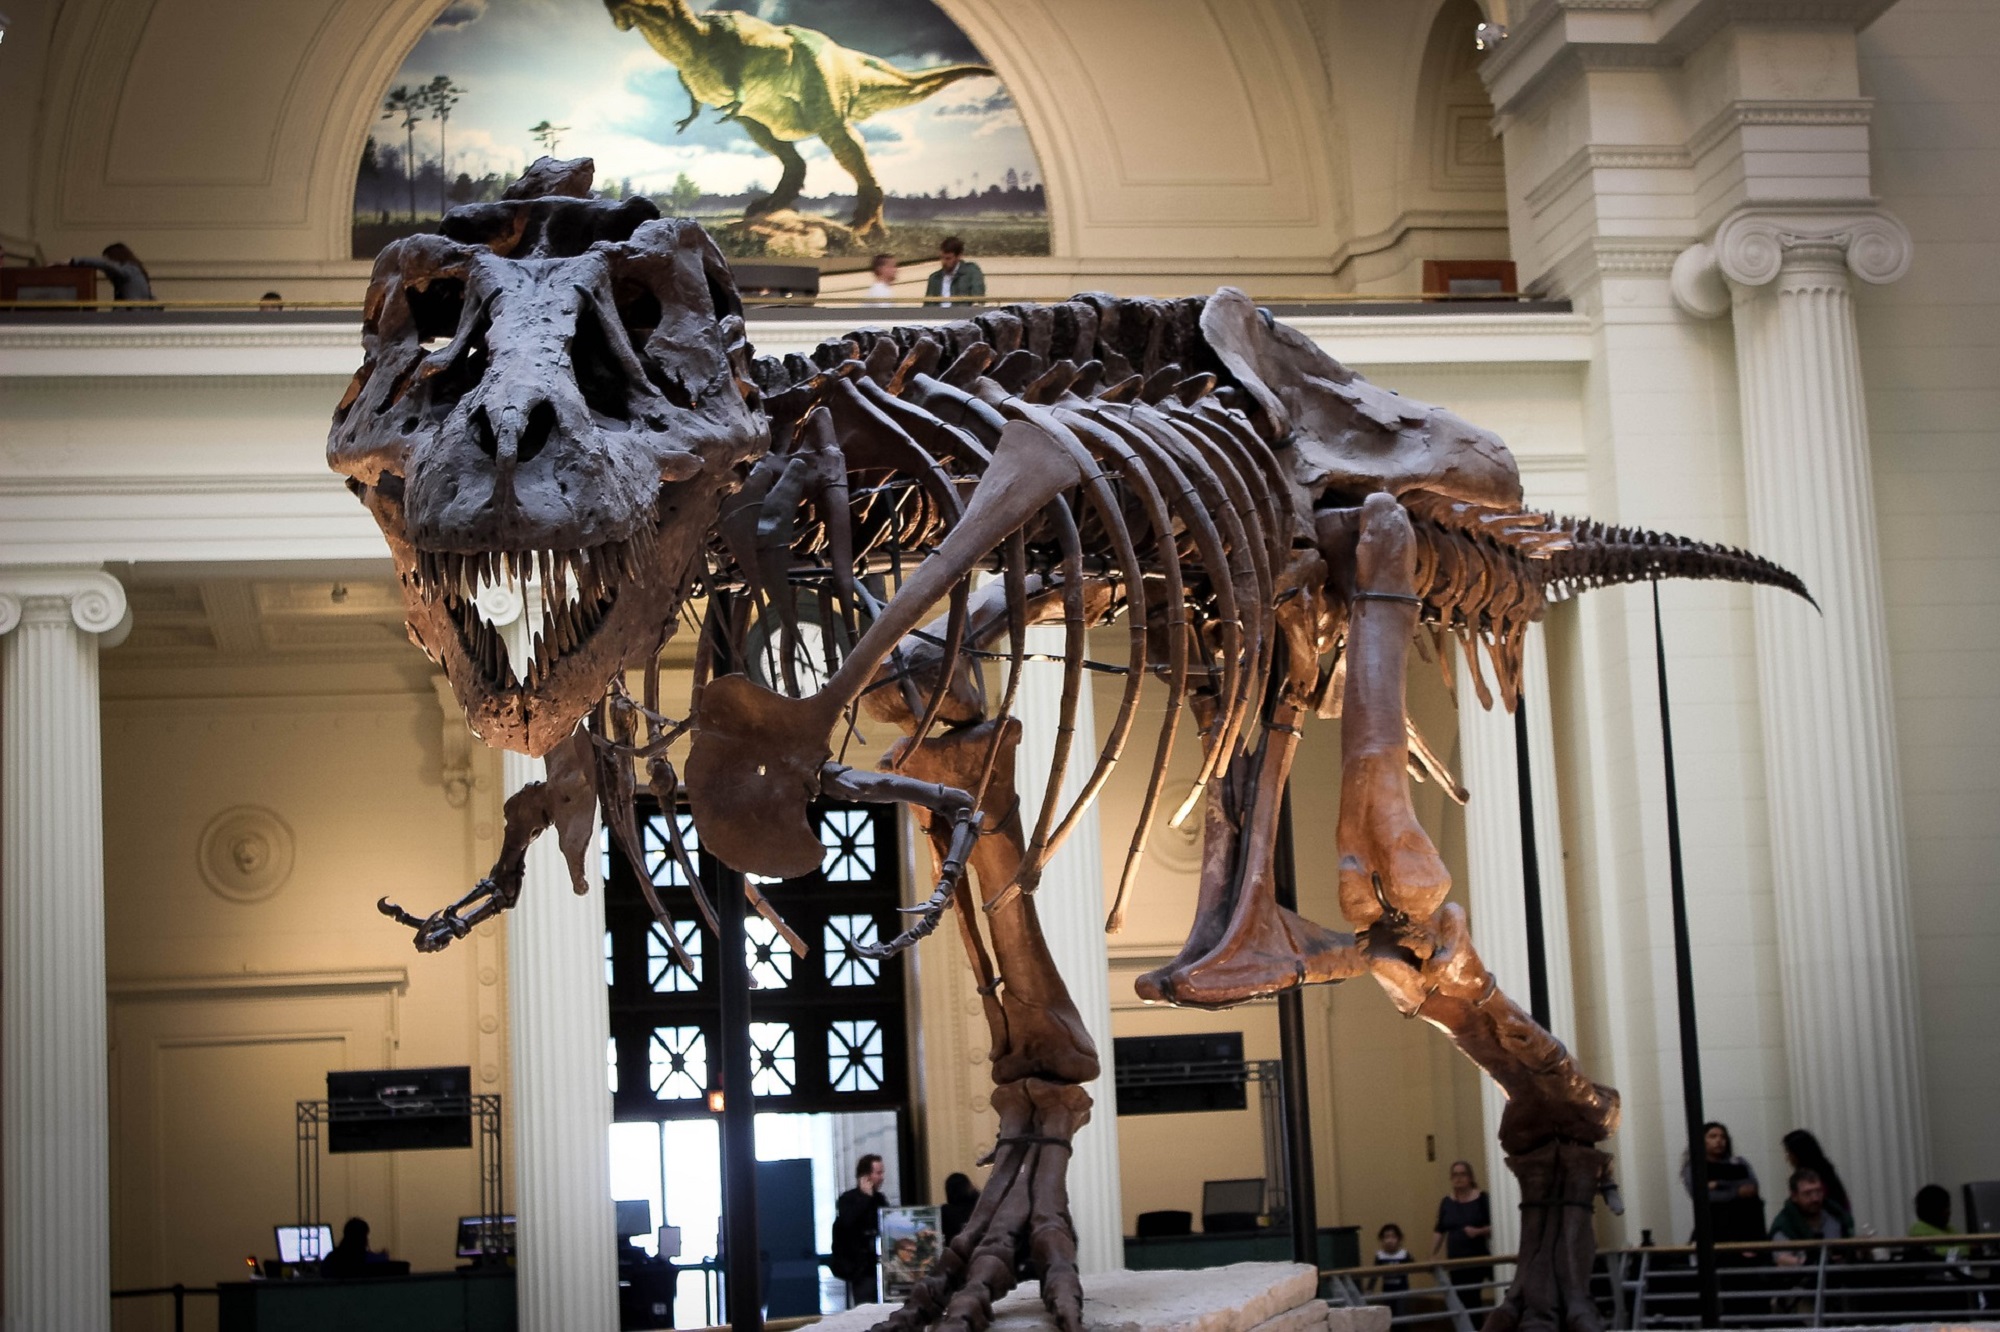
{"x":1389,"y":1250}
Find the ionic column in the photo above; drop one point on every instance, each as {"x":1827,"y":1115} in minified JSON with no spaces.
{"x":1496,"y":888}
{"x":567,"y":1261}
{"x":1847,"y":965}
{"x":1070,"y":902}
{"x":54,"y":1049}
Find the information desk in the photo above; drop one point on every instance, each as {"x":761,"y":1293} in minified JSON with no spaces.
{"x":472,"y":1301}
{"x":1339,"y":1246}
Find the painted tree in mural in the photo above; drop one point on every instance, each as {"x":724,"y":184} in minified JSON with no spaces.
{"x":784,"y":84}
{"x":439,"y":96}
{"x":407,"y":104}
{"x":1274,"y":531}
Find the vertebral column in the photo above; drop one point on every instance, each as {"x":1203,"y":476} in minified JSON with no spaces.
{"x":54,"y":1050}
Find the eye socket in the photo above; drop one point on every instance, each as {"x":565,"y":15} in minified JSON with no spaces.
{"x":722,"y":296}
{"x":599,"y":376}
{"x":436,"y":307}
{"x":638,"y":311}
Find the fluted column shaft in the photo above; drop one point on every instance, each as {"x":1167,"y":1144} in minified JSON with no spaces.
{"x":567,"y":1272}
{"x":1071,"y":904}
{"x":54,"y":1048}
{"x":1496,"y":886}
{"x":1846,"y":957}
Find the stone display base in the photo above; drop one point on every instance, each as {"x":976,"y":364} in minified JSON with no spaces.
{"x":1244,"y":1297}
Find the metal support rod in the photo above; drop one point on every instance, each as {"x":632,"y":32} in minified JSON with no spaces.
{"x":744,"y":1304}
{"x":1531,"y":874}
{"x":1303,"y":1203}
{"x":1704,"y":1231}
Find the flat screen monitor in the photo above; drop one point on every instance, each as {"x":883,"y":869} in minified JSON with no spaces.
{"x":304,"y":1244}
{"x":398,"y":1109}
{"x":1231,"y":1204}
{"x":468,"y":1236}
{"x":635,"y":1217}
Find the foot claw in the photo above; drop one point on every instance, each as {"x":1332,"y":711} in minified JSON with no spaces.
{"x":1023,"y":1213}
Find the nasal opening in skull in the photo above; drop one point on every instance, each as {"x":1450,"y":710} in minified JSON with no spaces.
{"x":599,"y":375}
{"x":482,"y":432}
{"x":535,"y":435}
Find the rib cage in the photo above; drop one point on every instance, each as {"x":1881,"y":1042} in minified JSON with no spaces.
{"x":1483,"y":574}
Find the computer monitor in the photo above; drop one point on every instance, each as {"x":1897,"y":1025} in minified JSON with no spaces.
{"x":398,"y":1109}
{"x":1231,"y":1204}
{"x":635,"y":1217}
{"x":304,"y":1244}
{"x":468,"y":1236}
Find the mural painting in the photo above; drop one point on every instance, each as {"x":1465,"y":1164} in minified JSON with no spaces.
{"x":816,"y":129}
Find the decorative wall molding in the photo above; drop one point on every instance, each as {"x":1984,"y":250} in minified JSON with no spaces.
{"x":260,"y":984}
{"x":1607,"y":157}
{"x":1595,"y":257}
{"x":1741,"y":114}
{"x":245,"y":854}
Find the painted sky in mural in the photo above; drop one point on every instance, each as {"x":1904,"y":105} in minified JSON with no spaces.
{"x":532,"y":76}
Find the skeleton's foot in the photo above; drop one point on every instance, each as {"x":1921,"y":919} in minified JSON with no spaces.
{"x":1551,"y":1288}
{"x":1022,"y":1212}
{"x":1275,"y":950}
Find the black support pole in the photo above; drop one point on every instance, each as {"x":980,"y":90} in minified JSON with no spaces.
{"x":744,"y":1305}
{"x":739,"y":1128}
{"x":1531,"y":874}
{"x":1704,"y":1232}
{"x":1300,"y":1195}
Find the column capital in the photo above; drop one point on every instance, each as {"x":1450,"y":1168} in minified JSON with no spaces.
{"x":94,"y":599}
{"x":1753,"y":246}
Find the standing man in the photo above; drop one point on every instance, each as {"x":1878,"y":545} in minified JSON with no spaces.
{"x":857,"y":1220}
{"x":956,"y":277}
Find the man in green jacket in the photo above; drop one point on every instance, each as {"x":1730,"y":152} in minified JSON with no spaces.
{"x":1809,"y":1215}
{"x":956,"y":277}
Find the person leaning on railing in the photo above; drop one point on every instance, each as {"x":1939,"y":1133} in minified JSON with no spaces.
{"x":1933,"y":1208}
{"x":1808,"y":1215}
{"x":1735,"y":1206}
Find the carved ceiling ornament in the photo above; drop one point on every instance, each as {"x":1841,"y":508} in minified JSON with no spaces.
{"x":245,"y":854}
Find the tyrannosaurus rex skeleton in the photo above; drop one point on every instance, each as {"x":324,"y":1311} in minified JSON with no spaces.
{"x":560,"y":387}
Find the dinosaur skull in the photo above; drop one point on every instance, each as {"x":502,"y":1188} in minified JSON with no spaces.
{"x":552,"y":388}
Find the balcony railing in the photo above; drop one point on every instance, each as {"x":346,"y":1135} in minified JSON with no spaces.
{"x":1784,"y":1283}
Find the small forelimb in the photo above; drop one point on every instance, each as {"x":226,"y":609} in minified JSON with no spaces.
{"x":528,"y":811}
{"x":886,"y":788}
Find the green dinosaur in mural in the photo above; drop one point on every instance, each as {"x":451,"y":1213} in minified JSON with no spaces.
{"x":783,"y":84}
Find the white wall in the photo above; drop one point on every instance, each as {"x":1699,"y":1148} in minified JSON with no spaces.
{"x":228,"y":1006}
{"x":1930,"y":345}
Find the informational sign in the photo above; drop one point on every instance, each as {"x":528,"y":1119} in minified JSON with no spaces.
{"x":912,"y":1243}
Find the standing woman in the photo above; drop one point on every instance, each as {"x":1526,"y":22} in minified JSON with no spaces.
{"x":1802,"y":1149}
{"x":1465,"y":1230}
{"x":1735,"y":1207}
